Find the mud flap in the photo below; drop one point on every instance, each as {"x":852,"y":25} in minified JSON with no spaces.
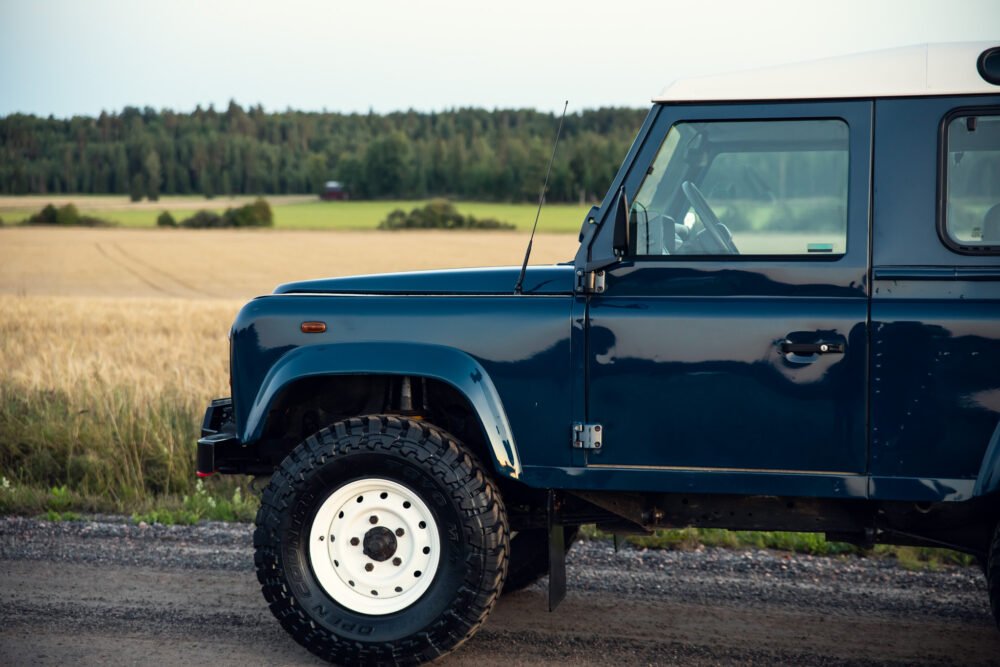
{"x":557,"y":554}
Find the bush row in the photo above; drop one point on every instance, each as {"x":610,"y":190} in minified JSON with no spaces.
{"x":65,"y":215}
{"x":439,"y":214}
{"x":257,"y":214}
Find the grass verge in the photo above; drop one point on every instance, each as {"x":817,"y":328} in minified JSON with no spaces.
{"x":218,"y":499}
{"x":816,"y":544}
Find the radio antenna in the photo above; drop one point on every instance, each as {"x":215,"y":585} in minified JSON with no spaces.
{"x":541,"y":200}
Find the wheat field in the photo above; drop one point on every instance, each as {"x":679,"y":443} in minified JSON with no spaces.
{"x":102,"y":395}
{"x":112,"y":341}
{"x":238,"y":264}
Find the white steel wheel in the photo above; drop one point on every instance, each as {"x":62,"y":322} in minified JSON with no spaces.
{"x":374,"y":546}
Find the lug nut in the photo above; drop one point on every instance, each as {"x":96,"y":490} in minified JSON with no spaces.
{"x":397,"y":561}
{"x":373,"y":519}
{"x":369,"y":567}
{"x":355,"y":541}
{"x":399,"y":532}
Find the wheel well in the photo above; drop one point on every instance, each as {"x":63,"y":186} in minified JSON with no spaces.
{"x":311,"y":403}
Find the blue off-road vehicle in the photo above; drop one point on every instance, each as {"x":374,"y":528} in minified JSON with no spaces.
{"x":785,"y":314}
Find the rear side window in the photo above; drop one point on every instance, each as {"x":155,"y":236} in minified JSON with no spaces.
{"x":971,"y":199}
{"x":751,"y":188}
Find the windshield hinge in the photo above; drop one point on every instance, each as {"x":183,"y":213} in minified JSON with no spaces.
{"x":587,"y":436}
{"x":590,"y":282}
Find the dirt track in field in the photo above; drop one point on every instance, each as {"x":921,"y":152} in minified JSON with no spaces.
{"x":110,"y":593}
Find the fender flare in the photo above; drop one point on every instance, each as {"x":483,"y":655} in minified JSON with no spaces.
{"x":447,"y":364}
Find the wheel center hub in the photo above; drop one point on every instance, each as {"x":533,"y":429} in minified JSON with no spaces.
{"x":379,"y":544}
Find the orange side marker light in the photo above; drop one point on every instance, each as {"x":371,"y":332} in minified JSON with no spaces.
{"x":313,"y":327}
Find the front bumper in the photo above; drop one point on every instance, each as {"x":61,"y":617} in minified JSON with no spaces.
{"x":218,"y":439}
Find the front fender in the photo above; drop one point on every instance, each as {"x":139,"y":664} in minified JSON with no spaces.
{"x":437,"y":362}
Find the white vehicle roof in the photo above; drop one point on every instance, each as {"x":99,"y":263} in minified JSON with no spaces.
{"x":924,"y":69}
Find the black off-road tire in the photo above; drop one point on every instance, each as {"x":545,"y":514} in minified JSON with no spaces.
{"x":529,"y":556}
{"x":993,"y":576}
{"x":470,"y":519}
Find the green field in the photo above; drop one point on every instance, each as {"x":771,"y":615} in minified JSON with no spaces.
{"x":294,"y":212}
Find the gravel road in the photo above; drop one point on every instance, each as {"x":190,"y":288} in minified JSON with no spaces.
{"x":105,"y":592}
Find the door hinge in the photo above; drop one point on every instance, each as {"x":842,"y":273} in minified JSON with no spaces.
{"x":587,"y":436}
{"x":590,"y":282}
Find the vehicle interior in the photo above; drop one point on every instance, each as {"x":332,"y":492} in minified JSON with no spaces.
{"x":775,"y":187}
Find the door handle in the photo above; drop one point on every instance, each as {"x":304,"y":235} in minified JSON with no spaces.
{"x":806,"y":349}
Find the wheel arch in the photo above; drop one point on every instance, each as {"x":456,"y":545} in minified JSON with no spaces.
{"x":330,"y":366}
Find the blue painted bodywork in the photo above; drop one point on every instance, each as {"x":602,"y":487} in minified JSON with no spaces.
{"x":519,"y":378}
{"x":935,"y":324}
{"x":679,"y":358}
{"x":496,"y":280}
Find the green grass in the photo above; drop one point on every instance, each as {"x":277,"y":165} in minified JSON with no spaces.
{"x":216,"y":499}
{"x":689,"y":539}
{"x":203,"y":503}
{"x":555,"y":218}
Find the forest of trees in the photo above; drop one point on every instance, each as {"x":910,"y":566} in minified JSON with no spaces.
{"x":464,"y":153}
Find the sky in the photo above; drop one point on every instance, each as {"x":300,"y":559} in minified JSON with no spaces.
{"x":77,"y":57}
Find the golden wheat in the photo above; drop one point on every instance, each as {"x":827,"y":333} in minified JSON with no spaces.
{"x":238,"y":264}
{"x":150,"y":345}
{"x":104,"y":394}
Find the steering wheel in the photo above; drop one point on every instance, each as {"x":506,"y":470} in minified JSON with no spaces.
{"x":708,"y":218}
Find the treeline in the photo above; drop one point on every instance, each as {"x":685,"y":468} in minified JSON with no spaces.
{"x":464,"y":153}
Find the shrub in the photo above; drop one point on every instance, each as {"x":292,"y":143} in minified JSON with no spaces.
{"x":47,"y":216}
{"x":439,"y":214}
{"x":65,"y":215}
{"x":257,"y":214}
{"x":165,"y":220}
{"x":262,"y":210}
{"x":203,"y":220}
{"x":91,"y":221}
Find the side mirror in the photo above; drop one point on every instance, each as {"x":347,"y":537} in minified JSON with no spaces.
{"x":620,"y":243}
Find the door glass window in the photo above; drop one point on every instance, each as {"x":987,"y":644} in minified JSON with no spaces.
{"x":972,"y":190}
{"x":745,"y":188}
